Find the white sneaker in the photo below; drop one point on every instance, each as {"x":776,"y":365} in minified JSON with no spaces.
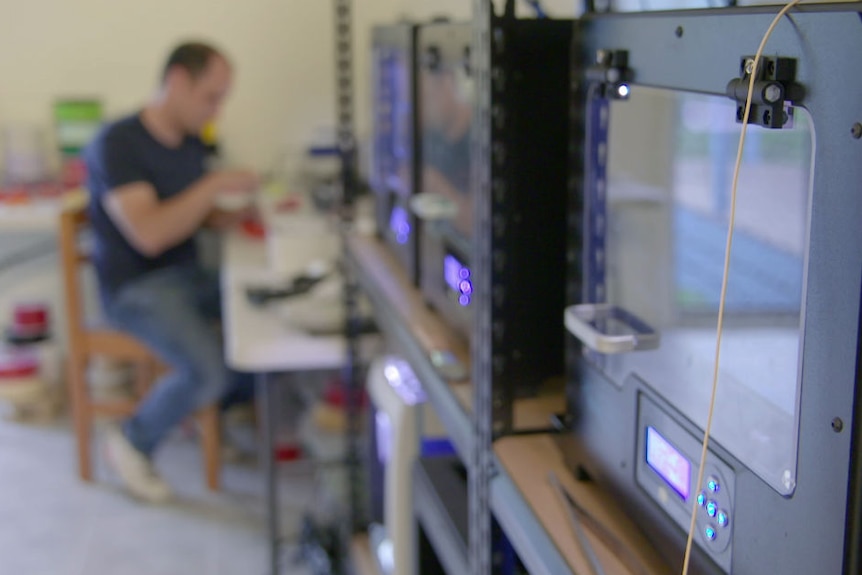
{"x":135,"y":470}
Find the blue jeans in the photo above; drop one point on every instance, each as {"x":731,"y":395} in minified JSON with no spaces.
{"x":175,"y":312}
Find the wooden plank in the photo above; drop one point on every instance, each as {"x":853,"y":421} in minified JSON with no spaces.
{"x":528,"y":460}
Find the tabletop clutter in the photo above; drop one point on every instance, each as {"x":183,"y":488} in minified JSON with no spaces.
{"x":29,"y":174}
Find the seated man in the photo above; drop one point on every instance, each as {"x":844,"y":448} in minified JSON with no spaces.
{"x":150,"y":194}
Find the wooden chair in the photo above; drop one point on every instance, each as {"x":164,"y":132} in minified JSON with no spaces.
{"x":87,"y":342}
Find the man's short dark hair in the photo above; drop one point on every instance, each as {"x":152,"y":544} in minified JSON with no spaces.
{"x":193,"y":57}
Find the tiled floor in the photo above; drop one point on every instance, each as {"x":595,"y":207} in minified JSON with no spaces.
{"x":53,"y":524}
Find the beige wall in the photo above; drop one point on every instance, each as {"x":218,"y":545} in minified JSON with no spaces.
{"x":112,"y":49}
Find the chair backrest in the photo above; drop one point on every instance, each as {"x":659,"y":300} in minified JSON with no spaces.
{"x":73,"y":220}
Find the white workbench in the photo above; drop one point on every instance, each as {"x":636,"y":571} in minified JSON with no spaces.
{"x":260,"y":340}
{"x":256,"y":339}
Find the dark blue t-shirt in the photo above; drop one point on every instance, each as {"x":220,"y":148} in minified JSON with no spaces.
{"x":122,"y":153}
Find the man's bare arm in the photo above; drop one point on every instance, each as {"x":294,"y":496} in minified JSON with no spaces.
{"x":153,"y":226}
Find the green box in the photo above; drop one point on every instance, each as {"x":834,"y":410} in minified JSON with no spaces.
{"x":76,"y":121}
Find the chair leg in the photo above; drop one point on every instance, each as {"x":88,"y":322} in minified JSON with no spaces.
{"x":82,"y":415}
{"x":211,"y":443}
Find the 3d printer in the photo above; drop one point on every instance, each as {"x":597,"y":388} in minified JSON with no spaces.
{"x":781,"y":492}
{"x":530,"y":146}
{"x":394,"y":149}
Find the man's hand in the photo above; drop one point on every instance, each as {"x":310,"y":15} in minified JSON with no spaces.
{"x":234,"y":181}
{"x":222,"y":220}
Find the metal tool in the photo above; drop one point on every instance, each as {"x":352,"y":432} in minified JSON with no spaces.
{"x":575,"y":523}
{"x":299,"y":285}
{"x":580,"y":518}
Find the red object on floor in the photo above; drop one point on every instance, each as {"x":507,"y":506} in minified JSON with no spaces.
{"x":288,"y":452}
{"x":30,"y":318}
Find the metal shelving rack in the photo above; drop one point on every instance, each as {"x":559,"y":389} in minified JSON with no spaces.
{"x":491,"y":490}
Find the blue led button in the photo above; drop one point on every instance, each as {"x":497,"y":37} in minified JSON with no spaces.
{"x":701,"y":499}
{"x":710,"y":533}
{"x":722,"y":519}
{"x":713,"y":485}
{"x":711,"y":508}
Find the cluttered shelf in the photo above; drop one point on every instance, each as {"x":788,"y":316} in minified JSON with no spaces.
{"x":527,"y":464}
{"x":417,"y":330}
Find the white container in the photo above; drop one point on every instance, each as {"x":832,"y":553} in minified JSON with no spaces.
{"x":299,"y":244}
{"x":234,"y":201}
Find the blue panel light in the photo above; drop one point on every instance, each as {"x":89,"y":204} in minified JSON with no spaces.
{"x":710,"y":533}
{"x":711,"y":508}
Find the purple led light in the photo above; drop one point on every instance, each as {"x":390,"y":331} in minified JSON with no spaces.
{"x":384,"y":436}
{"x":399,"y":223}
{"x":452,"y":272}
{"x":457,"y":277}
{"x":401,"y":379}
{"x":670,"y":464}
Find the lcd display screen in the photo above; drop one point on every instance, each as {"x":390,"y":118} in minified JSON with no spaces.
{"x":670,"y":464}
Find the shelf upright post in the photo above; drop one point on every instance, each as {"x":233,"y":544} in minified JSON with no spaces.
{"x":481,"y":458}
{"x":344,"y":89}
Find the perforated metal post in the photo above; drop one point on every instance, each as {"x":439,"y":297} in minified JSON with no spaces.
{"x":497,"y":225}
{"x":481,"y":461}
{"x":347,"y":148}
{"x":576,"y":254}
{"x":595,"y":199}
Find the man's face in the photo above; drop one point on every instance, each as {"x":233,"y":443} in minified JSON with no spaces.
{"x":199,"y":100}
